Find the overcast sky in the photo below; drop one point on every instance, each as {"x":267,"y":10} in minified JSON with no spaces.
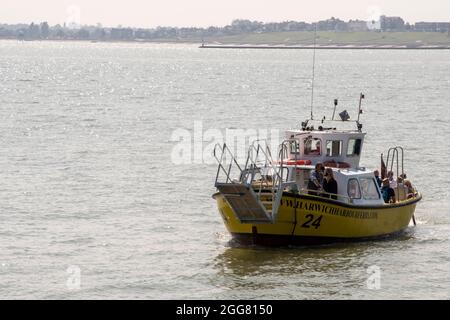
{"x":151,"y":13}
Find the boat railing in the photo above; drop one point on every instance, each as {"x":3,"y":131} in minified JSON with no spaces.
{"x":395,"y":156}
{"x":226,"y":163}
{"x":343,"y":198}
{"x":283,"y":152}
{"x":260,"y":173}
{"x":321,"y":194}
{"x":258,"y":155}
{"x":259,"y":166}
{"x":273,"y":176}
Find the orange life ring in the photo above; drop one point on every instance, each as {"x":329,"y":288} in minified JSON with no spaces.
{"x":344,"y":165}
{"x":297,"y":162}
{"x":334,"y":164}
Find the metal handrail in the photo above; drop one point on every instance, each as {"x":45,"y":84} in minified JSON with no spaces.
{"x":395,"y":158}
{"x":224,"y":150}
{"x":256,"y":150}
{"x":273,"y":175}
{"x":320,"y":192}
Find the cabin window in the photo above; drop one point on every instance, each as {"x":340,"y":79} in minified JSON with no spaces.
{"x":353,"y":189}
{"x":334,"y":148}
{"x":369,"y":189}
{"x":354,"y":147}
{"x":294,"y":146}
{"x":312,"y":147}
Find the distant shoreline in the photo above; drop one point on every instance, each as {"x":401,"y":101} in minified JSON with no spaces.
{"x":260,"y":45}
{"x":343,"y":47}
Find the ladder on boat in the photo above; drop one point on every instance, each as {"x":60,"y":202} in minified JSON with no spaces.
{"x":395,"y":156}
{"x":254,"y":196}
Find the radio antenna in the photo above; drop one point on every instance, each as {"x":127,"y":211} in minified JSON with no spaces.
{"x":313,"y":72}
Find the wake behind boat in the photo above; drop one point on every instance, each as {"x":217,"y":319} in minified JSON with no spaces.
{"x":281,"y":201}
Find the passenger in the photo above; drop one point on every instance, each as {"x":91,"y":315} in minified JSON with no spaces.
{"x":387,"y":192}
{"x":317,"y":151}
{"x":377,"y":178}
{"x":411,"y":190}
{"x":330,"y":184}
{"x":401,"y":183}
{"x":322,"y":170}
{"x":315,"y":180}
{"x":309,"y":148}
{"x":392,"y":180}
{"x":401,"y":191}
{"x":353,"y":190}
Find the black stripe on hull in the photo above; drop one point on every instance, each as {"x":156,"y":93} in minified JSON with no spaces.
{"x":270,"y":240}
{"x":343,"y":204}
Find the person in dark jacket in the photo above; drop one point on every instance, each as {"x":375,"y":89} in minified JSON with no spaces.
{"x":387,"y":192}
{"x":330,"y":184}
{"x":315,"y":180}
{"x":377,"y":177}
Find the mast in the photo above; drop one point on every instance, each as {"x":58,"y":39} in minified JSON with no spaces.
{"x":361,"y":97}
{"x":358,"y":124}
{"x":313,"y":72}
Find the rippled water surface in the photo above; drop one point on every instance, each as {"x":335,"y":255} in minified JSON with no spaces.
{"x":87,"y":178}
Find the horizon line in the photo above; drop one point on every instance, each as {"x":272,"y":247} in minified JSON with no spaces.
{"x":100,"y":25}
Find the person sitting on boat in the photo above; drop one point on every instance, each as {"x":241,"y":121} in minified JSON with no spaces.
{"x":401,"y":190}
{"x":377,"y":178}
{"x":401,"y":179}
{"x":392,"y":180}
{"x":317,"y":149}
{"x":330,"y":184}
{"x":388,"y":192}
{"x":411,"y":190}
{"x":311,"y":149}
{"x":315,"y":180}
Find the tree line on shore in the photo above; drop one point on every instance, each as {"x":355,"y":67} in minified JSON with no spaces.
{"x":42,"y":31}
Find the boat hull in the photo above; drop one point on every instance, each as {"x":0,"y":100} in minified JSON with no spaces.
{"x":308,"y":220}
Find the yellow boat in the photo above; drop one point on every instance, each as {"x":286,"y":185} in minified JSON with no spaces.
{"x":268,"y":202}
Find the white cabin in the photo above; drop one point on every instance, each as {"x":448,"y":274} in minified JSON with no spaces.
{"x":356,"y":186}
{"x":326,"y":146}
{"x":340,"y":150}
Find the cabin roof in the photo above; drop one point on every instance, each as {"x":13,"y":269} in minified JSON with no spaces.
{"x":346,"y":172}
{"x":354,"y":171}
{"x":324,"y":132}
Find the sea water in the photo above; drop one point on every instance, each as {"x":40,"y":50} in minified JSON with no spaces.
{"x":95,"y":204}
